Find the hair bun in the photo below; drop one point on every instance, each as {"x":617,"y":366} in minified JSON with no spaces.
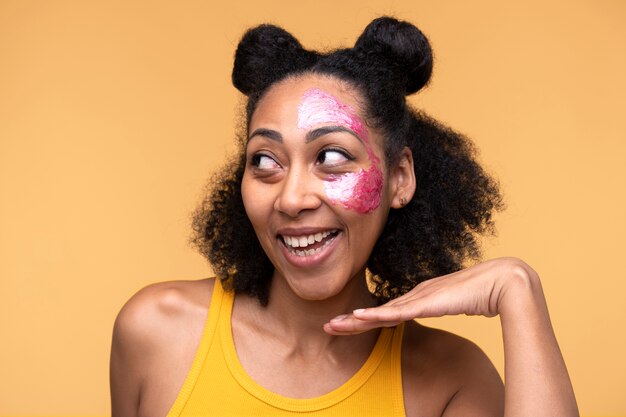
{"x":265,"y":54}
{"x":403,"y":47}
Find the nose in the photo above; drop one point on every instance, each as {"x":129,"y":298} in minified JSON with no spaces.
{"x":298,"y":193}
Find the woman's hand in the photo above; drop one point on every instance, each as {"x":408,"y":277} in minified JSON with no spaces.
{"x":479,"y":290}
{"x":536,"y":379}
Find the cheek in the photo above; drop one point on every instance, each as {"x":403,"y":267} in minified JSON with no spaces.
{"x":255,"y":202}
{"x":359,"y":191}
{"x":245,"y":196}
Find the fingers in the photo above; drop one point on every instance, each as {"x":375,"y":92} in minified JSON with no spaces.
{"x":350,"y":325}
{"x":384,"y":313}
{"x":467,"y":291}
{"x":423,"y":301}
{"x":387,"y":315}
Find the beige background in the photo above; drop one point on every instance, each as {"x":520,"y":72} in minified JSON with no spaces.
{"x":113,"y":114}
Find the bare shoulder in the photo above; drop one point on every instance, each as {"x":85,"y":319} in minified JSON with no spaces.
{"x":163,"y":304}
{"x":447,"y":375}
{"x":155,"y":337}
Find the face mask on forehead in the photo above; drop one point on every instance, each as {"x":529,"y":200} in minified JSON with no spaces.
{"x":360,"y":191}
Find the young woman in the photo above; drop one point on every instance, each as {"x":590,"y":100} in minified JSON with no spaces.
{"x":336,"y":176}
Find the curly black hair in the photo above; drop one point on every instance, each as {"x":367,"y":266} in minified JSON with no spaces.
{"x":434,"y":234}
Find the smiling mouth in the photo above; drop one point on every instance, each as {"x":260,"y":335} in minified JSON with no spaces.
{"x":308,"y":245}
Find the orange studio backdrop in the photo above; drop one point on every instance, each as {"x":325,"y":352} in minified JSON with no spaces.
{"x":113,"y":114}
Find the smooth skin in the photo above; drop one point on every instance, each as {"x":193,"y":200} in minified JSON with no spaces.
{"x":321,"y":322}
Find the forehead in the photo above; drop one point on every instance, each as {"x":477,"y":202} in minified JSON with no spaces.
{"x":283,"y":100}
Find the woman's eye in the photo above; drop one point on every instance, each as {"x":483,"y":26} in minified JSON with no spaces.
{"x":264,"y":162}
{"x":332,"y":157}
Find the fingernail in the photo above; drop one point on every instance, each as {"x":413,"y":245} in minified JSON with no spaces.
{"x":358,"y":310}
{"x":339,"y":318}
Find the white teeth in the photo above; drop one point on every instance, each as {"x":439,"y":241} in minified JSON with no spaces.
{"x":308,"y":252}
{"x":304,"y":241}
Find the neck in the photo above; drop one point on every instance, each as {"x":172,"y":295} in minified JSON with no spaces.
{"x":298,"y":313}
{"x":298,"y":321}
{"x":283,"y":346}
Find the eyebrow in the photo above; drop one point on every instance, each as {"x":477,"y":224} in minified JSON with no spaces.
{"x":325,"y":130}
{"x":267,"y":133}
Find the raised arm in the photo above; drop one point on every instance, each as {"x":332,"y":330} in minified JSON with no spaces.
{"x":537,"y":382}
{"x":536,"y":379}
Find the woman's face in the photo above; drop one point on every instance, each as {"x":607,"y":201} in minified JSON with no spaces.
{"x":315,"y":186}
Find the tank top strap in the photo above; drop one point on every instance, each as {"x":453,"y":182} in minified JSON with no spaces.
{"x":397,"y":390}
{"x":210,"y":328}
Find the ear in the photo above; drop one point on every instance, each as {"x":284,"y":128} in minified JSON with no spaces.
{"x":403,"y":180}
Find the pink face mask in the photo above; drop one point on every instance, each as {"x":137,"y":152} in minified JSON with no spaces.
{"x":360,"y":191}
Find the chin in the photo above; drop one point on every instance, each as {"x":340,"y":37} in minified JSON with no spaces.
{"x":317,"y":287}
{"x":313,"y":290}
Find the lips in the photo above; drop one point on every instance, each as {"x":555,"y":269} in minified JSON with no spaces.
{"x":307,"y":245}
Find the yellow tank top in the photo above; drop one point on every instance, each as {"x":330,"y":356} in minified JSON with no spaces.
{"x":217,"y":384}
